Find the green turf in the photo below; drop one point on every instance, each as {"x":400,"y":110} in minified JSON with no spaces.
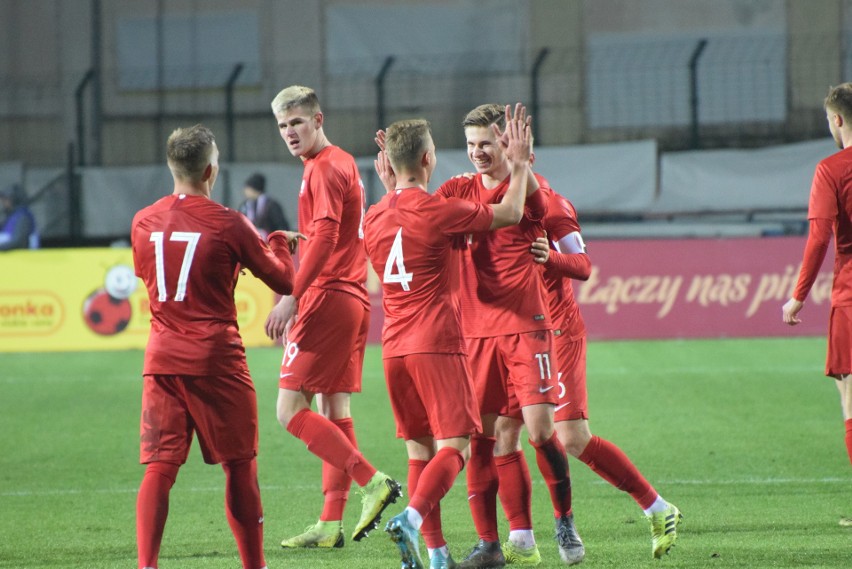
{"x":745,"y":436}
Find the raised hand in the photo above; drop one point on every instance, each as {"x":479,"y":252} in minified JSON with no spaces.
{"x":518,"y":135}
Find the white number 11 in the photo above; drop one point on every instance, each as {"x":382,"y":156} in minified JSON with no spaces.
{"x":191,"y":240}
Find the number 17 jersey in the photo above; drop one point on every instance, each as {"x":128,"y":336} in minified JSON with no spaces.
{"x":410,"y":236}
{"x":188,"y":250}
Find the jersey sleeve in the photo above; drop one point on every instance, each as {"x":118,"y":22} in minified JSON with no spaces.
{"x":328,"y":185}
{"x":823,"y":198}
{"x":275,"y":269}
{"x":561,"y":219}
{"x":457,"y":216}
{"x":819,"y":237}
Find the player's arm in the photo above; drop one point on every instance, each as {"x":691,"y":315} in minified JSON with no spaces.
{"x":569,"y":259}
{"x":819,"y":237}
{"x":270,"y":263}
{"x":518,"y":140}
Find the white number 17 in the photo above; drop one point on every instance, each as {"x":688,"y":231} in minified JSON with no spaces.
{"x":191,"y":240}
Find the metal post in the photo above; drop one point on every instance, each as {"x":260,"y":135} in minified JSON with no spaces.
{"x":229,"y":111}
{"x":534,"y":80}
{"x":695,"y":141}
{"x":380,"y":92}
{"x":81,"y":127}
{"x":97,"y":89}
{"x":74,"y":202}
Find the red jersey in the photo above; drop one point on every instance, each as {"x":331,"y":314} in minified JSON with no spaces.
{"x":332,"y":189}
{"x":410,"y":244}
{"x":188,"y":250}
{"x":561,"y":220}
{"x":831,"y":199}
{"x":502,"y":290}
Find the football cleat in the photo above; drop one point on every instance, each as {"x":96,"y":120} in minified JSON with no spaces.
{"x":517,"y":555}
{"x":407,"y":540}
{"x":571,"y":548}
{"x":322,"y":534}
{"x":664,"y":530}
{"x":378,"y":494}
{"x":484,"y":555}
{"x":441,"y":561}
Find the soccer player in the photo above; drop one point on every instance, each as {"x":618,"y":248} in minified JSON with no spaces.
{"x":409,"y":236}
{"x":830,"y":211}
{"x":564,"y":258}
{"x":325,"y":322}
{"x":506,"y":324}
{"x":189,"y":251}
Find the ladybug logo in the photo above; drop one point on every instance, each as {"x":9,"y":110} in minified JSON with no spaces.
{"x":107,"y":310}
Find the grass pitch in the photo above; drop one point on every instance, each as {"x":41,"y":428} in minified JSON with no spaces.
{"x":745,"y":436}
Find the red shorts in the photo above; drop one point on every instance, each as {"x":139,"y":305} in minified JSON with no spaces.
{"x":325,"y":348}
{"x":432,"y":396}
{"x":512,"y":372}
{"x":571,"y":376}
{"x":220,"y":410}
{"x":839,"y":358}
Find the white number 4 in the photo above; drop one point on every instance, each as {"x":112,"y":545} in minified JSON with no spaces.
{"x":396,"y":260}
{"x":191,"y":240}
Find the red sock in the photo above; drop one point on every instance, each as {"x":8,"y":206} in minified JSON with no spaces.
{"x":849,"y":438}
{"x":553,"y":464}
{"x":515,"y":489}
{"x":152,"y":509}
{"x":335,"y":482}
{"x":611,"y":464}
{"x":436,"y":480}
{"x":327,"y":442}
{"x":244,"y":511}
{"x":431,"y":530}
{"x":482,"y":487}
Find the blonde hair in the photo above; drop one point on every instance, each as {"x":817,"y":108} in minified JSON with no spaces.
{"x":839,"y":100}
{"x":296,"y":96}
{"x":486,"y":115}
{"x":406,"y":141}
{"x":188,"y":152}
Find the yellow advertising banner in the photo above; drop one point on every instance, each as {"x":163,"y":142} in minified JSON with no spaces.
{"x":55,"y":300}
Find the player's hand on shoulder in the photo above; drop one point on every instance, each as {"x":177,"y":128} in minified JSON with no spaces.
{"x":465,"y":175}
{"x":540,"y":250}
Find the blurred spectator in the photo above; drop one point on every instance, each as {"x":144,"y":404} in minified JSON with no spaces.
{"x":19,"y":227}
{"x":265,"y":212}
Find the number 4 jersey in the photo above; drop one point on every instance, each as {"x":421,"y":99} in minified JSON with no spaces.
{"x":189,"y":250}
{"x":409,"y":236}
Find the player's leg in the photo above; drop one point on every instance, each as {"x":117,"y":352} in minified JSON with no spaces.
{"x":224,"y":412}
{"x":515,"y":489}
{"x":165,"y":436}
{"x":244,"y":510}
{"x":152,"y":509}
{"x":844,"y":386}
{"x":324,"y":355}
{"x":482,"y":482}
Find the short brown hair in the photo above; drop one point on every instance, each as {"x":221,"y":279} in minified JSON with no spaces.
{"x":188,"y":152}
{"x":296,"y":96}
{"x":405,"y":142}
{"x":486,"y":115}
{"x":839,"y":100}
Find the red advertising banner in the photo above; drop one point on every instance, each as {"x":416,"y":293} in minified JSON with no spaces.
{"x":689,"y":288}
{"x":699,"y":288}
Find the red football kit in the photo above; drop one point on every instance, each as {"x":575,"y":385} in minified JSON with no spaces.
{"x":830,"y":211}
{"x":505,"y":318}
{"x":189,"y":250}
{"x":569,"y":330}
{"x":325,"y":347}
{"x":410,"y":239}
